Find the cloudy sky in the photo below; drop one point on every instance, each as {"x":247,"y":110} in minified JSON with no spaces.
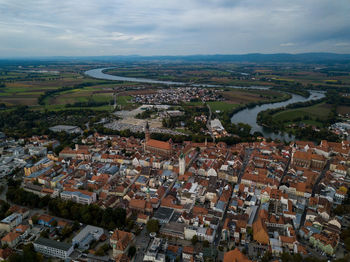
{"x":172,"y":27}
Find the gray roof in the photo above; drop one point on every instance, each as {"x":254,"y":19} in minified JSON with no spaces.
{"x":88,"y":234}
{"x":164,"y":213}
{"x":52,"y":243}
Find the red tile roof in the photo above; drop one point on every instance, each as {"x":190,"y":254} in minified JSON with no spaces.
{"x":158,"y":144}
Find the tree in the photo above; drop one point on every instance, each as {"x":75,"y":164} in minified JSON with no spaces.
{"x":267,"y":257}
{"x":131,"y":251}
{"x":102,"y":250}
{"x":28,"y":255}
{"x":205,"y":243}
{"x":65,"y":232}
{"x":343,"y":189}
{"x":44,"y":233}
{"x":152,"y":226}
{"x":194,"y":240}
{"x":35,"y":220}
{"x":347,"y":243}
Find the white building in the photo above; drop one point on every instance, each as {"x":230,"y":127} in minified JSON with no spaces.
{"x":86,"y":236}
{"x":66,"y":128}
{"x":53,"y":248}
{"x":79,"y":196}
{"x":10,"y":222}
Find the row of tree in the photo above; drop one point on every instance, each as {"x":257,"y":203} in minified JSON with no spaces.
{"x":49,"y":93}
{"x":88,"y":214}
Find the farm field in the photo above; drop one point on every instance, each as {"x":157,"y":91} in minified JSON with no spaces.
{"x":245,"y":96}
{"x":343,"y":110}
{"x":239,"y":97}
{"x":23,"y":87}
{"x":312,"y":115}
{"x":238,"y":74}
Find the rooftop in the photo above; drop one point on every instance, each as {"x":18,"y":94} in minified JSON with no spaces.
{"x":52,"y":243}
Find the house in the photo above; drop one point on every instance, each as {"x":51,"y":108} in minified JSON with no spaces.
{"x":120,"y":241}
{"x":260,"y":233}
{"x":288,"y":242}
{"x":235,"y":256}
{"x":155,"y":251}
{"x":188,"y":253}
{"x":20,"y":210}
{"x":308,"y":160}
{"x":5,"y":253}
{"x":45,"y":220}
{"x":327,"y":243}
{"x":23,"y":230}
{"x":142,"y":218}
{"x":10,"y":222}
{"x":11,"y":239}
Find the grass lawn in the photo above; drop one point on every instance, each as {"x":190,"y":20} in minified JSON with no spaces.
{"x":125,"y":102}
{"x":183,"y":131}
{"x":198,"y":103}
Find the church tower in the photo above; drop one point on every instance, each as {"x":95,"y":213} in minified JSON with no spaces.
{"x":182,"y":164}
{"x":147,"y":134}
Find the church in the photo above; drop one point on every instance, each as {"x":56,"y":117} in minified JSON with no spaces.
{"x":156,"y":146}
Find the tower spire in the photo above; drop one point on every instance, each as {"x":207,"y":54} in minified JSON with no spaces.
{"x":147,"y":134}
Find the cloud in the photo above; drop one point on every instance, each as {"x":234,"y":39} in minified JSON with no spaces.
{"x":287,"y":44}
{"x":342,"y":44}
{"x":153,"y":27}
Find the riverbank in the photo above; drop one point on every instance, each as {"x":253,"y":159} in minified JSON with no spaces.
{"x":249,"y":115}
{"x":245,"y":114}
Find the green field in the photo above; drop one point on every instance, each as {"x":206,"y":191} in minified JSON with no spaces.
{"x":238,"y":97}
{"x":222,"y":106}
{"x":315,"y":113}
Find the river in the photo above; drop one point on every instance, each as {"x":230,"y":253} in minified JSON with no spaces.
{"x":98,"y":74}
{"x":247,"y":116}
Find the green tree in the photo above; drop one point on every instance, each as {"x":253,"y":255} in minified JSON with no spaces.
{"x":28,"y":255}
{"x":131,"y":251}
{"x":45,"y":234}
{"x":152,"y":226}
{"x":194,"y":240}
{"x":347,"y":243}
{"x":205,"y":243}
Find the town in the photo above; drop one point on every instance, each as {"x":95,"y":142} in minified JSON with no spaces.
{"x":179,"y":95}
{"x":129,"y":199}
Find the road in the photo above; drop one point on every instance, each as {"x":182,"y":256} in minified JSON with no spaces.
{"x":4,"y":191}
{"x":217,"y":239}
{"x":285,"y":171}
{"x":247,"y":154}
{"x":142,"y":242}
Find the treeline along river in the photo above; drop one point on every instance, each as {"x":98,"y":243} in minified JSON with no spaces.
{"x":247,"y":116}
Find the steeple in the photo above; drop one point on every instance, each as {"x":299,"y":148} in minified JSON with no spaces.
{"x":147,"y":134}
{"x":182,"y":164}
{"x":148,"y":194}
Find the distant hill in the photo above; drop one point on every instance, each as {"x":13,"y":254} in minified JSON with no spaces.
{"x":256,"y":57}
